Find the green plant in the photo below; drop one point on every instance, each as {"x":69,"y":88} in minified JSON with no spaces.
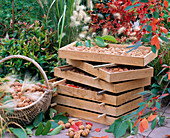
{"x":99,"y":41}
{"x":35,"y":41}
{"x":138,"y":119}
{"x":24,"y":11}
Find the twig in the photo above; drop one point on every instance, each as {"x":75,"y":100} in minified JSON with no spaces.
{"x":166,"y":108}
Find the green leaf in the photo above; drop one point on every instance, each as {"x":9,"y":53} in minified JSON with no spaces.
{"x":140,"y":108}
{"x":130,"y":125}
{"x":60,"y":117}
{"x":141,"y":103}
{"x":109,"y":38}
{"x":156,"y":85}
{"x":155,"y":91}
{"x":29,"y":131}
{"x":100,"y":42}
{"x":46,"y":128}
{"x":158,"y":105}
{"x":150,"y":103}
{"x":164,"y":39}
{"x":54,"y":124}
{"x":149,"y":28}
{"x":20,"y":133}
{"x":144,"y":1}
{"x":154,"y":49}
{"x":88,"y":43}
{"x":133,"y":6}
{"x":161,"y":120}
{"x":111,"y":128}
{"x":136,"y":130}
{"x":79,"y":44}
{"x":153,"y":124}
{"x":38,"y":119}
{"x":62,"y":113}
{"x":156,"y":15}
{"x":51,"y":112}
{"x":56,"y":131}
{"x":143,"y":93}
{"x":120,"y":128}
{"x":39,"y":129}
{"x":126,"y":135}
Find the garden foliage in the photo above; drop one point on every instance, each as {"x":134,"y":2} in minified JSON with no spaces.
{"x":118,"y":18}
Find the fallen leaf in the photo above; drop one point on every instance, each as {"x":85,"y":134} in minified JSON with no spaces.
{"x":143,"y":125}
{"x":97,"y":129}
{"x":79,"y":123}
{"x":105,"y":137}
{"x":152,"y":117}
{"x":168,"y":75}
{"x":155,"y":41}
{"x":75,"y":127}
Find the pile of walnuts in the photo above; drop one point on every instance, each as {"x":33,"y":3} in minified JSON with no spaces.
{"x":81,"y":129}
{"x":25,"y":97}
{"x":120,"y":51}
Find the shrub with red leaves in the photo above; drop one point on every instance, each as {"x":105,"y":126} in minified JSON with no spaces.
{"x":118,"y":17}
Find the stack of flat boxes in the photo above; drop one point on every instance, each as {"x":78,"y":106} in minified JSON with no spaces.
{"x":101,"y":96}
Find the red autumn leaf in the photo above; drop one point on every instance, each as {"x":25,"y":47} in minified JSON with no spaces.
{"x":79,"y":123}
{"x":156,"y":97}
{"x":153,"y":26}
{"x":155,"y":41}
{"x":165,"y":94}
{"x":163,"y":29}
{"x":166,"y":4}
{"x":88,"y":123}
{"x":168,"y":19}
{"x":154,"y":109}
{"x":168,"y":75}
{"x":143,"y":125}
{"x":75,"y":127}
{"x":152,"y":117}
{"x":141,"y":112}
{"x":97,"y":129}
{"x":105,"y":137}
{"x":136,"y":122}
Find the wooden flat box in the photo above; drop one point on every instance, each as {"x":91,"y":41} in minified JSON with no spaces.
{"x":107,"y":97}
{"x":107,"y":58}
{"x":87,"y":115}
{"x":138,"y":73}
{"x":85,"y":105}
{"x":97,"y":83}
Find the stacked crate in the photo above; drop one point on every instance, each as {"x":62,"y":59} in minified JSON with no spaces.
{"x":88,"y":91}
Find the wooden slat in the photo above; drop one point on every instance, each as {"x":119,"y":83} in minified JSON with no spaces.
{"x":92,"y":106}
{"x":85,"y":115}
{"x":92,"y":95}
{"x":97,"y":57}
{"x":112,"y":77}
{"x":88,"y":80}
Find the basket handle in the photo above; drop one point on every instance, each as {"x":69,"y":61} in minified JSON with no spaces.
{"x":32,"y":61}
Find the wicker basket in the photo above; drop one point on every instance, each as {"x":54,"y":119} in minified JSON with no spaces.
{"x":27,"y":114}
